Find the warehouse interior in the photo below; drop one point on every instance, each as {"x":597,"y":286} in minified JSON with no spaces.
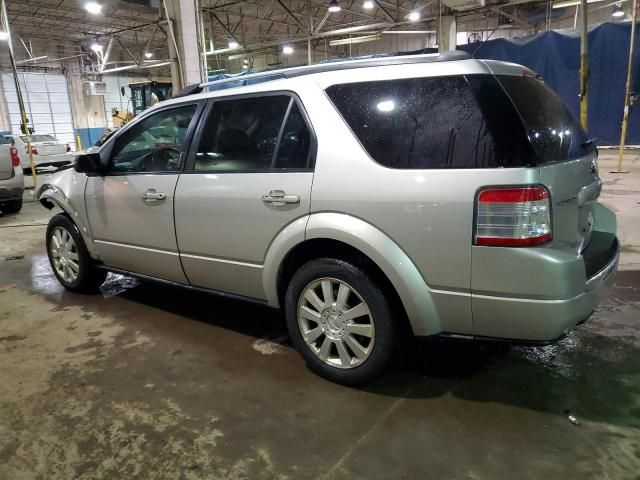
{"x":145,"y":380}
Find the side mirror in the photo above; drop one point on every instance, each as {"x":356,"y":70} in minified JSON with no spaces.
{"x":88,"y":163}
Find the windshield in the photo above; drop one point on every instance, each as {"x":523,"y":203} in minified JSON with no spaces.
{"x":39,"y":138}
{"x":553,"y":131}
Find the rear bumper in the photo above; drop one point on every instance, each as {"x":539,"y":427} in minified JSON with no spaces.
{"x":13,"y":193}
{"x":50,"y":160}
{"x":539,"y":320}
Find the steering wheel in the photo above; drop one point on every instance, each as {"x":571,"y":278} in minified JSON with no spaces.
{"x":162,"y":158}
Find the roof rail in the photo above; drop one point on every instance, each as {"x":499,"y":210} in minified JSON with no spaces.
{"x":291,"y":72}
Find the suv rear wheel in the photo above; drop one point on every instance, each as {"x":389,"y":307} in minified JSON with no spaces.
{"x":339,"y":321}
{"x":69,"y":257}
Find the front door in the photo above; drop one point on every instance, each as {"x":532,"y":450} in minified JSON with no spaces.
{"x":248,"y":178}
{"x":130,"y":208}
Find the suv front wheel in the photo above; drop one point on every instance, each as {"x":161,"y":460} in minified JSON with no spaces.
{"x":339,"y":321}
{"x":69,"y":257}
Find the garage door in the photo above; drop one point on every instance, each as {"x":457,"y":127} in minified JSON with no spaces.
{"x":46,"y":101}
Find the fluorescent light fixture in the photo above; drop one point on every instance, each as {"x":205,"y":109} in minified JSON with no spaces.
{"x":4,"y":35}
{"x":572,"y":3}
{"x":349,"y":41}
{"x":245,"y":67}
{"x":287,"y":49}
{"x":93,"y":7}
{"x":386,"y":106}
{"x":334,"y":6}
{"x":414,"y":16}
{"x":233,"y":44}
{"x":409,"y":32}
{"x":96,"y":47}
{"x":617,"y":11}
{"x":368,"y":4}
{"x":148,"y":54}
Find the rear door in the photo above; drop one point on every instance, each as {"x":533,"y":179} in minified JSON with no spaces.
{"x":249,"y":176}
{"x":566,"y":158}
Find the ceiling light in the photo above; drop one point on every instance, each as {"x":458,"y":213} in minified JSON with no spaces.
{"x":233,"y":44}
{"x":148,"y":54}
{"x":287,"y":49}
{"x":414,"y":16}
{"x":245,"y":67}
{"x":96,"y":47}
{"x":93,"y":7}
{"x":368,"y":4}
{"x":334,"y":6}
{"x":351,"y":40}
{"x":617,"y":11}
{"x":4,"y":35}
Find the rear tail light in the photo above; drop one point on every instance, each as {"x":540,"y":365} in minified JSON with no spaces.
{"x":34,"y":150}
{"x":15,"y":158}
{"x":68,"y":148}
{"x":513,"y":217}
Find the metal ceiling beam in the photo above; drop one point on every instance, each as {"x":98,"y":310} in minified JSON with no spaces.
{"x":291,"y":14}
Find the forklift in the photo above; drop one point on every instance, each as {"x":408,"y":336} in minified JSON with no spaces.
{"x":143,"y":95}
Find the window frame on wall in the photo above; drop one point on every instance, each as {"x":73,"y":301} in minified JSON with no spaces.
{"x":208,"y":110}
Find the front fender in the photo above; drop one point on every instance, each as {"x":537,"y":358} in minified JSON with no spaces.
{"x":414,"y":293}
{"x":65,"y":189}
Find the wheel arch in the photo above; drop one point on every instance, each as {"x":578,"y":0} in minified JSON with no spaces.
{"x":347,"y":237}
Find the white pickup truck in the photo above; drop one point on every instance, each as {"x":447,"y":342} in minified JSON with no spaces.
{"x":11,"y":178}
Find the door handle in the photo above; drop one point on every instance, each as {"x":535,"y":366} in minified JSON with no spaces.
{"x":152,"y":196}
{"x":278,"y":198}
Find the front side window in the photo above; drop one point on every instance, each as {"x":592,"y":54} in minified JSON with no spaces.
{"x":253,"y":134}
{"x":417,"y":123}
{"x":154,"y":144}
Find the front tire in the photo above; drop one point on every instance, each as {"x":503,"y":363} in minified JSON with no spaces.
{"x":69,"y":258}
{"x":339,"y":321}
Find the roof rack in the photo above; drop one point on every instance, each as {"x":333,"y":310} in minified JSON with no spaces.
{"x":291,"y":72}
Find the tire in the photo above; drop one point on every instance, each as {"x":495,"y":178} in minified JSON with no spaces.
{"x":70,"y":261}
{"x":366,"y":333}
{"x":13,"y":206}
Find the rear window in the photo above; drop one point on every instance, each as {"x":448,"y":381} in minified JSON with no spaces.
{"x":39,"y":138}
{"x":555,"y":134}
{"x":418,"y":123}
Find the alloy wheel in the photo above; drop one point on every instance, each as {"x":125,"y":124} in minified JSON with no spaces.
{"x":64,"y":254}
{"x":336,"y":323}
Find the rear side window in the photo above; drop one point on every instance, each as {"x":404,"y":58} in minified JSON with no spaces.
{"x":418,"y":123}
{"x":553,"y":131}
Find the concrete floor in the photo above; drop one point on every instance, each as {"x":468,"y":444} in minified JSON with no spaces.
{"x":151,"y":382}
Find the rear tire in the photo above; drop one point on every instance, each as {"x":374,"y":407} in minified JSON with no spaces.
{"x":11,"y":207}
{"x":340,"y":321}
{"x":70,"y":261}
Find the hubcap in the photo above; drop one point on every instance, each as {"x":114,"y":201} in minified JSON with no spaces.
{"x":64,"y":254}
{"x":336,"y":323}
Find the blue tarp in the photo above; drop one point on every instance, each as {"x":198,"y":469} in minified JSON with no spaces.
{"x":556,"y":56}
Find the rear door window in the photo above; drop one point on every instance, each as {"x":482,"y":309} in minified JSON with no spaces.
{"x":419,"y":123}
{"x":555,"y":134}
{"x":254,"y":134}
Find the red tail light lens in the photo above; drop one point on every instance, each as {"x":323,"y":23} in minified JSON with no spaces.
{"x":34,"y":150}
{"x":68,"y":148}
{"x":513,"y":217}
{"x":15,"y":158}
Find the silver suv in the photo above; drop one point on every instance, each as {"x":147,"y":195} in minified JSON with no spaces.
{"x":454,"y":196}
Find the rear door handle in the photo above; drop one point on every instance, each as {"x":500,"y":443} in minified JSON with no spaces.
{"x":277,"y":198}
{"x":152,"y":196}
